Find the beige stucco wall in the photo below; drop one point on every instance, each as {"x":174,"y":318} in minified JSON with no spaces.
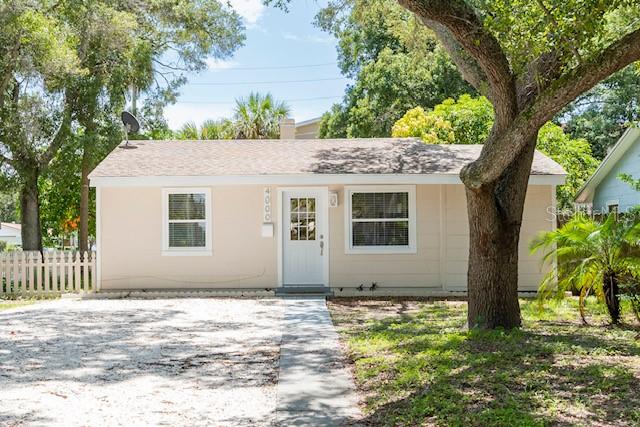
{"x":456,"y":244}
{"x":308,"y":131}
{"x":131,"y":241}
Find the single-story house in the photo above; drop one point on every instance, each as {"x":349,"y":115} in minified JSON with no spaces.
{"x":307,"y":129}
{"x":604,"y":192}
{"x":381,"y":214}
{"x":11,"y":233}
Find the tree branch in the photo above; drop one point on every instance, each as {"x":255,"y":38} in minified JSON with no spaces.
{"x":585,"y":76}
{"x":466,"y":28}
{"x":541,"y":72}
{"x":468,"y":66}
{"x":58,"y":138}
{"x":497,"y":154}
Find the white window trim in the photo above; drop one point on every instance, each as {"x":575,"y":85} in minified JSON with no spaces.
{"x":350,"y":249}
{"x":207,"y":249}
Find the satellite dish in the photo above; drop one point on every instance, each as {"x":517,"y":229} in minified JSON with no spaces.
{"x":131,"y":125}
{"x":130,"y":122}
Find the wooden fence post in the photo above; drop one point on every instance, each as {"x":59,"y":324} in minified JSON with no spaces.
{"x":94,"y":279}
{"x":23,"y":273}
{"x":78,"y":287}
{"x":85,"y":271}
{"x":32,"y":283}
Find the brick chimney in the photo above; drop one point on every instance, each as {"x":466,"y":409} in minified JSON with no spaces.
{"x":287,"y":128}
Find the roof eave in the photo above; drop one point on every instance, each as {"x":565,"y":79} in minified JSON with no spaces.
{"x":587,"y":191}
{"x":298,"y":179}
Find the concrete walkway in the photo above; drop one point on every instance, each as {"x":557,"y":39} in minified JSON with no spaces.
{"x":314,"y":388}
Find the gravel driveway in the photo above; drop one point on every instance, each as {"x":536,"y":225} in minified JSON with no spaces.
{"x":140,"y":362}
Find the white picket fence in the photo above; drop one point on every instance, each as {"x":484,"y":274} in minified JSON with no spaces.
{"x":49,"y":273}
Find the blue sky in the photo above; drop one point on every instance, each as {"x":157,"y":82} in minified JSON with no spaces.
{"x":274,"y":39}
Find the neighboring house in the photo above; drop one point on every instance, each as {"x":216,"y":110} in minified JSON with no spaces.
{"x":336,"y":213}
{"x":10,"y":232}
{"x":604,"y":192}
{"x":308,"y":129}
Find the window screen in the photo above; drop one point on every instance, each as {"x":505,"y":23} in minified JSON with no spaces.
{"x":187,"y":220}
{"x":379,"y":219}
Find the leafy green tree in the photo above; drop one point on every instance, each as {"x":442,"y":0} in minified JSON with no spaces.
{"x":189,"y":130}
{"x":574,"y":155}
{"x":210,"y":129}
{"x":258,"y":116}
{"x":216,"y":129}
{"x":396,"y":63}
{"x":597,"y":257}
{"x":8,"y":206}
{"x":530,"y":59}
{"x":469,"y":120}
{"x":37,"y":55}
{"x":430,"y":127}
{"x":628,"y":179}
{"x":601,"y":115}
{"x":145,"y":50}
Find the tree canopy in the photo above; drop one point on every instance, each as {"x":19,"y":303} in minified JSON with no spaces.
{"x":65,"y":68}
{"x":469,"y":120}
{"x":256,"y":116}
{"x":603,"y":114}
{"x":396,"y":63}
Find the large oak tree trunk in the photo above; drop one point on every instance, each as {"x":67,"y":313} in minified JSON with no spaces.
{"x":495,"y":217}
{"x":30,"y":214}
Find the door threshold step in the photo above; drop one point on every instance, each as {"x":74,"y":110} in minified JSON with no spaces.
{"x":303,"y":291}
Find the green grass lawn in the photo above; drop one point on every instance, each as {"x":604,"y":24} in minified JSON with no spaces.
{"x":416,"y":364}
{"x":7,"y":304}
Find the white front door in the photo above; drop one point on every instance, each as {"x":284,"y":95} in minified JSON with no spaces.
{"x":304,"y":248}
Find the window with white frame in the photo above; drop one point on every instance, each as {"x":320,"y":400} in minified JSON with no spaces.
{"x":380,"y":219}
{"x":187,"y":221}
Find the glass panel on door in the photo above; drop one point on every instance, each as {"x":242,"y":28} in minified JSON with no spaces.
{"x":303,"y":218}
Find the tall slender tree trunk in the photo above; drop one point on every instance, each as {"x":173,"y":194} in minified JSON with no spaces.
{"x":495,"y":217}
{"x":30,"y":213}
{"x":83,"y":237}
{"x":88,"y":142}
{"x":611,"y":296}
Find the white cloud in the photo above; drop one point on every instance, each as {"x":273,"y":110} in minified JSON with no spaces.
{"x":307,"y":39}
{"x":290,"y":36}
{"x":215,"y":64}
{"x":250,"y":10}
{"x":180,"y":113}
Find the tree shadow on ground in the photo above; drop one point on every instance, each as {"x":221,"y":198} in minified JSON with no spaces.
{"x":85,"y":345}
{"x":425,"y":368}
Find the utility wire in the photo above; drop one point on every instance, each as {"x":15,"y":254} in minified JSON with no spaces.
{"x":279,"y":67}
{"x":285,"y":100}
{"x":265,"y":82}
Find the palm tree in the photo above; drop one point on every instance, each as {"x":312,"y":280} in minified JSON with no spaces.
{"x":216,"y":129}
{"x":210,"y":129}
{"x":592,"y":257}
{"x":189,"y":130}
{"x":258,"y":116}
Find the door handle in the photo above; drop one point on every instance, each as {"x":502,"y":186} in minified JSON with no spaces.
{"x":321,"y":247}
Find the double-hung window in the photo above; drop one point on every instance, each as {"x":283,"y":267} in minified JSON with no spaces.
{"x":186,"y":221}
{"x":380,"y":219}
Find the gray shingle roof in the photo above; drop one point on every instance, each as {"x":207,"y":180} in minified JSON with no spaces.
{"x":287,"y":157}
